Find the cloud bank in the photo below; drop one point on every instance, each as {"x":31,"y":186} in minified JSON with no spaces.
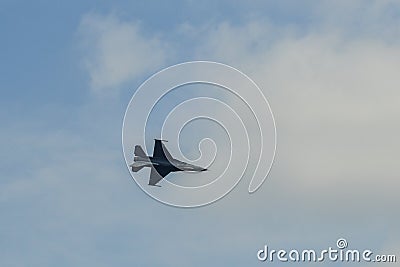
{"x":117,"y":51}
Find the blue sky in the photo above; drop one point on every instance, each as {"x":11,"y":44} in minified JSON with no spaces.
{"x":68,"y":71}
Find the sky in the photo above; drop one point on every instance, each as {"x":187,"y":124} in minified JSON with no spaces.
{"x":329,"y":70}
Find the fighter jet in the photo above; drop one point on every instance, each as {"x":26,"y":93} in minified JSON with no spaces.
{"x":161,"y":163}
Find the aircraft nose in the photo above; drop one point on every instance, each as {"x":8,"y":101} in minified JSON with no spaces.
{"x":204,"y":170}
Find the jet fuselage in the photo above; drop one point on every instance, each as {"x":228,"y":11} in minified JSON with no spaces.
{"x":173,"y":164}
{"x":161,"y":163}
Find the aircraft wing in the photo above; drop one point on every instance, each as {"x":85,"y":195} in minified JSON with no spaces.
{"x":157,"y":174}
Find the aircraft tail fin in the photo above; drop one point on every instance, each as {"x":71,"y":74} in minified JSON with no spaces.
{"x":140,"y":152}
{"x":160,"y":151}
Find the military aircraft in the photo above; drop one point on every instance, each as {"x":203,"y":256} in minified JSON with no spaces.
{"x":161,"y":163}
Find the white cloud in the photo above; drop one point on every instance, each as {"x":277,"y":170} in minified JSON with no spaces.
{"x":376,"y":18}
{"x":335,"y":100}
{"x":117,"y":51}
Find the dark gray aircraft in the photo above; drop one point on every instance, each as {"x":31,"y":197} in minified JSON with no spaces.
{"x":161,"y":163}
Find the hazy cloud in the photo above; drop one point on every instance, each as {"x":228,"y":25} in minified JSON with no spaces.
{"x":335,"y":101}
{"x":67,"y":197}
{"x":117,"y":51}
